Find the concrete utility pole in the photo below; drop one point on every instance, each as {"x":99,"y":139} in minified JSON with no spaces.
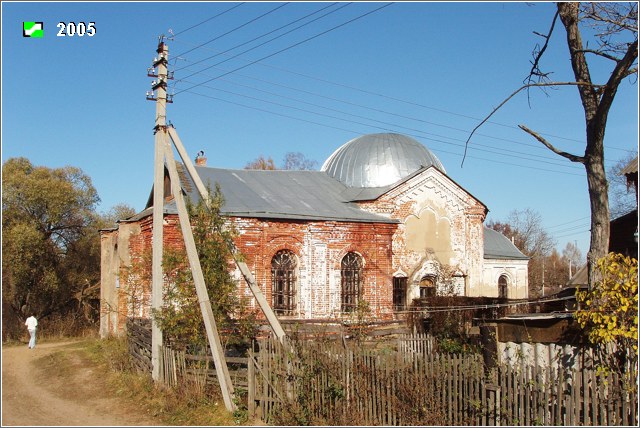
{"x":164,"y":150}
{"x":159,"y":71}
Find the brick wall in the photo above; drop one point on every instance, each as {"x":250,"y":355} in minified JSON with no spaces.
{"x":318,"y":247}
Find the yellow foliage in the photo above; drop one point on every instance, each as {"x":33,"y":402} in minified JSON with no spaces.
{"x":609,"y":311}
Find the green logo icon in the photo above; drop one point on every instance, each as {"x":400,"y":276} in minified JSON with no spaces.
{"x":33,"y":29}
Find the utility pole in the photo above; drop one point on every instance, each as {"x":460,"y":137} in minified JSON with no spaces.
{"x":159,"y":86}
{"x":164,"y":151}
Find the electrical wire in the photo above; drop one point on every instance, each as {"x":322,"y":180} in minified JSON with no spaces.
{"x":290,"y":47}
{"x":261,"y":36}
{"x":207,"y":20}
{"x":360,"y":133}
{"x":235,"y":29}
{"x":550,"y":161}
{"x":398,"y":100}
{"x":432,"y":309}
{"x":569,"y":222}
{"x":525,"y":144}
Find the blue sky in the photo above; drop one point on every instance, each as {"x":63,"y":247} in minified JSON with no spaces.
{"x":428,"y":70}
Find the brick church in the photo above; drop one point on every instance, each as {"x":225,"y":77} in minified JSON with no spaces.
{"x":381,"y":221}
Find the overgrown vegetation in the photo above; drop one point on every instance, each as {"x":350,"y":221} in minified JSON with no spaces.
{"x":50,"y":248}
{"x":180,"y":317}
{"x":320,"y":392}
{"x":609,"y":312}
{"x":187,"y":404}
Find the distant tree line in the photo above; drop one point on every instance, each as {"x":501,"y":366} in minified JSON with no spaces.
{"x":50,"y":247}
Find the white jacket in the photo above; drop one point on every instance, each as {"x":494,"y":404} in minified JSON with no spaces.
{"x":31,"y":323}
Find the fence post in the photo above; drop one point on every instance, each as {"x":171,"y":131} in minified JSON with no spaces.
{"x":251,"y":385}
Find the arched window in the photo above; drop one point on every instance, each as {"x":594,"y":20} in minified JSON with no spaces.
{"x":503,"y":282}
{"x":283,"y":286}
{"x":427,"y":286}
{"x":351,"y":275}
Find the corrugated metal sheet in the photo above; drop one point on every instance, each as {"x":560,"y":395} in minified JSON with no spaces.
{"x":498,"y":246}
{"x":294,"y":195}
{"x":378,"y":160}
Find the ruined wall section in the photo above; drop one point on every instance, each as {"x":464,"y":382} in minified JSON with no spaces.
{"x":319,"y":248}
{"x":126,"y":270}
{"x":441,"y":223}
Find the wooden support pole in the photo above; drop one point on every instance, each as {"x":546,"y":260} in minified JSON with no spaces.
{"x":276,"y":327}
{"x":222,"y":371}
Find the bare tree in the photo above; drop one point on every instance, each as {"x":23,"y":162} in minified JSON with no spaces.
{"x":621,"y":199}
{"x":572,"y":255}
{"x":525,"y":228}
{"x":292,"y":161}
{"x":297,"y":161}
{"x":615,"y":26}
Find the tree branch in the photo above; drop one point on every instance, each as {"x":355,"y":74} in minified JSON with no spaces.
{"x":535,"y":67}
{"x":599,"y":53}
{"x":572,"y":158}
{"x":619,"y":72}
{"x":466,"y":144}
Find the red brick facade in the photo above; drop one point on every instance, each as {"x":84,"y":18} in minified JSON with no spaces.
{"x":318,"y":248}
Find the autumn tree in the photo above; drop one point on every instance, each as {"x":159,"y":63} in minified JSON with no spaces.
{"x":609,"y":312}
{"x":614,"y":30}
{"x":531,"y":238}
{"x":50,"y":244}
{"x":261,"y":163}
{"x":118,"y":212}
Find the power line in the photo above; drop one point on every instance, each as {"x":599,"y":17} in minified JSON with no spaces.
{"x":568,"y":229}
{"x":402,"y":101}
{"x":424,"y":134}
{"x":226,"y":71}
{"x":432,"y":309}
{"x":234,"y":29}
{"x":578,"y":232}
{"x":259,"y":37}
{"x":360,"y":133}
{"x":207,"y":20}
{"x":530,"y":145}
{"x":422,"y":105}
{"x":290,"y":47}
{"x":569,"y":222}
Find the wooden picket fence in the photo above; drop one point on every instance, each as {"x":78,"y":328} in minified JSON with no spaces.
{"x":139,"y":341}
{"x":330,"y":384}
{"x":199,"y":369}
{"x":344,"y":383}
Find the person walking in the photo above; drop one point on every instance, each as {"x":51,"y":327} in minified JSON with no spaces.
{"x":31,"y":324}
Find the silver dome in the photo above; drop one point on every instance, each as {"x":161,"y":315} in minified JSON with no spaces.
{"x":378,"y":160}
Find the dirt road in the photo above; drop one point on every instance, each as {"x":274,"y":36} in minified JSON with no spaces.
{"x":56,"y":384}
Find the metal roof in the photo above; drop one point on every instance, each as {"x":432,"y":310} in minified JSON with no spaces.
{"x":378,"y":160}
{"x":292,"y":195}
{"x":498,"y":246}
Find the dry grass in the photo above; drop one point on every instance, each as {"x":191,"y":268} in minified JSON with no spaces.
{"x":186,"y":404}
